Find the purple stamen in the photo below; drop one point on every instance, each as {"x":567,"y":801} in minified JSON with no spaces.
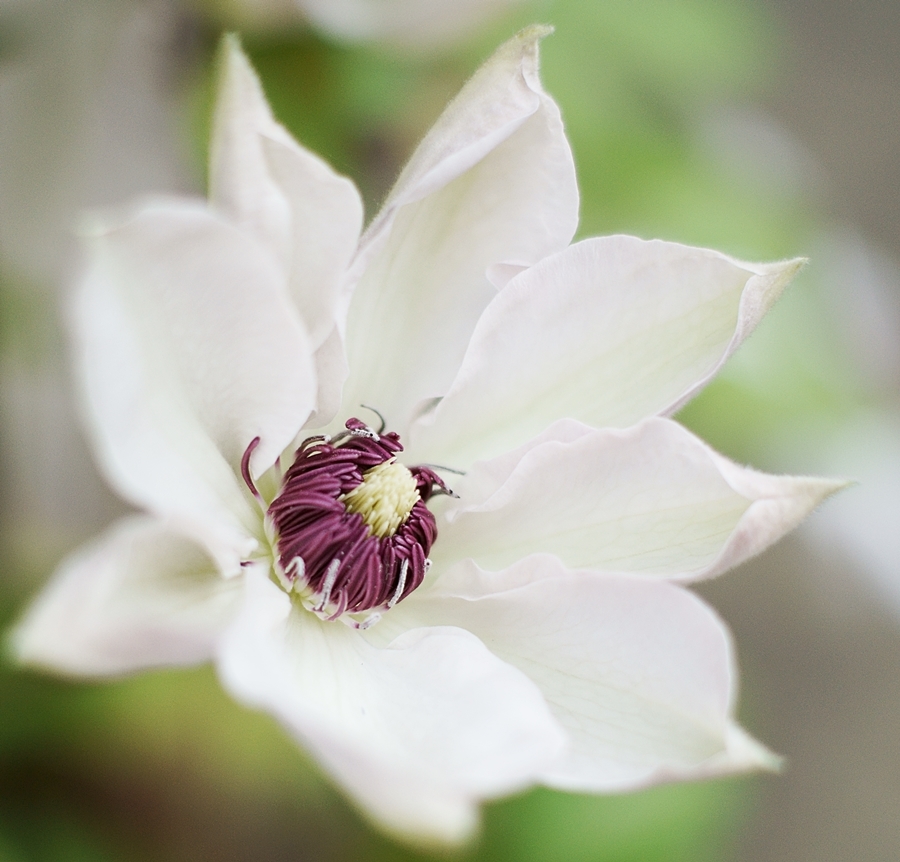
{"x":245,"y":467}
{"x":331,"y":550}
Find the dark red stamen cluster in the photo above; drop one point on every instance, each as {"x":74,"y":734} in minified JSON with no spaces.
{"x":346,"y":567}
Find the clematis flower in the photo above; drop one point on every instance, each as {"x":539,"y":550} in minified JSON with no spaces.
{"x":486,"y":596}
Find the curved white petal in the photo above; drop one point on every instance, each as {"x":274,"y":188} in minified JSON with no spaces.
{"x":487,"y":477}
{"x":295,"y":205}
{"x":326,"y":221}
{"x":640,"y":673}
{"x":240,"y":184}
{"x":331,"y":372}
{"x":652,"y":499}
{"x":493,"y":182}
{"x":141,"y":596}
{"x":413,"y":24}
{"x":416,"y":731}
{"x":609,"y":331}
{"x":188,"y":348}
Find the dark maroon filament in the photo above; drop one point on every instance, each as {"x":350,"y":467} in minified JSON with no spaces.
{"x":245,"y":467}
{"x":345,"y":565}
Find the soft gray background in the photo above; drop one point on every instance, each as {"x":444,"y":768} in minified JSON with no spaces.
{"x":819,"y":647}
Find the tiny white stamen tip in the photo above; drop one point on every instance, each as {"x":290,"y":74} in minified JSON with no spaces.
{"x":296,"y":570}
{"x":365,"y":432}
{"x":401,"y":584}
{"x":368,"y":622}
{"x":330,"y":578}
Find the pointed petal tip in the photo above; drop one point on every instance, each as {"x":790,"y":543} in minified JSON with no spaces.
{"x":26,"y":649}
{"x":746,"y":754}
{"x":528,"y":40}
{"x":784,"y":271}
{"x":231,"y":48}
{"x":778,"y":504}
{"x":810,"y":492}
{"x":763,"y":290}
{"x":791,"y":266}
{"x":535,"y":33}
{"x":741,"y":753}
{"x":25,"y":645}
{"x":230,"y":61}
{"x":523,"y":48}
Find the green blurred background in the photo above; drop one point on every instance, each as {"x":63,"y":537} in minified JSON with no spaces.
{"x":766,"y":130}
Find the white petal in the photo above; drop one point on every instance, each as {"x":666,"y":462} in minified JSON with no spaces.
{"x":416,"y":25}
{"x":639,"y":672}
{"x":188,"y":348}
{"x":326,"y":220}
{"x":492,"y":183}
{"x":331,"y":372}
{"x":652,"y":499}
{"x":416,"y":731}
{"x":609,"y":331}
{"x":487,"y":477}
{"x":240,"y":184}
{"x":140,"y":596}
{"x":295,"y":205}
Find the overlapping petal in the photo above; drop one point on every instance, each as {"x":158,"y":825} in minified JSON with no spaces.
{"x":141,"y":596}
{"x":492,"y":183}
{"x":609,"y":331}
{"x":639,"y":672}
{"x":169,"y":318}
{"x":240,"y":184}
{"x":652,"y":499}
{"x":295,"y":205}
{"x":418,"y":729}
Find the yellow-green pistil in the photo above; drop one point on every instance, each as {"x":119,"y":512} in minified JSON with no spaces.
{"x":384,"y":498}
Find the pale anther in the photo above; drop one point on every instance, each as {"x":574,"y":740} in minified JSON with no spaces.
{"x":401,"y":583}
{"x":330,"y":578}
{"x":297,"y":569}
{"x":384,"y":498}
{"x":368,"y":622}
{"x":368,"y":433}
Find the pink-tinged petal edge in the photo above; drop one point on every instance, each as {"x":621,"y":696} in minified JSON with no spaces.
{"x":609,"y":331}
{"x":652,"y":500}
{"x":141,"y":596}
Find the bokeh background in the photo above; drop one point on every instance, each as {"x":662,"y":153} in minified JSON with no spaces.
{"x":764,"y":129}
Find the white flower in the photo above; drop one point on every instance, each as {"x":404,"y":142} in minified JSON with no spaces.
{"x":548,"y":642}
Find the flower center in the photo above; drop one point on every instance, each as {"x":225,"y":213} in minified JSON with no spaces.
{"x":384,"y":498}
{"x":352,"y":530}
